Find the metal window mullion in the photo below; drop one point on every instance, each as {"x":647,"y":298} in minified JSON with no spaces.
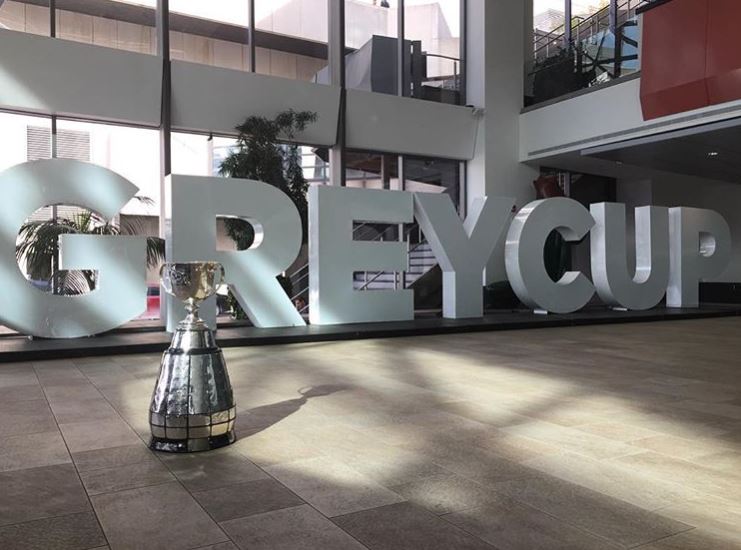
{"x":165,"y":130}
{"x":251,"y":35}
{"x":54,"y":207}
{"x":53,"y":18}
{"x":400,"y":50}
{"x":567,"y":23}
{"x":401,"y":76}
{"x":163,"y":51}
{"x":336,"y":55}
{"x":462,"y":52}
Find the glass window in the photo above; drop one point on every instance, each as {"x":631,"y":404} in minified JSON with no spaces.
{"x":422,"y":175}
{"x":23,"y":138}
{"x":25,"y":17}
{"x":427,"y":175}
{"x":114,"y":24}
{"x":432,"y":40}
{"x":114,"y":147}
{"x":192,"y":155}
{"x":371,"y":33}
{"x":372,"y":170}
{"x":291,"y":39}
{"x":212,"y":33}
{"x":548,"y":18}
{"x":130,"y":152}
{"x":134,"y":154}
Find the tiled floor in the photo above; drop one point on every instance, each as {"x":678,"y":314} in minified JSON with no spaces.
{"x":615,"y":436}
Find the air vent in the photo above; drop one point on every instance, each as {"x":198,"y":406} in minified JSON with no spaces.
{"x":71,"y":144}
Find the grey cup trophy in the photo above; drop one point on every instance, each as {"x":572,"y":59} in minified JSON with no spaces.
{"x":192,"y":405}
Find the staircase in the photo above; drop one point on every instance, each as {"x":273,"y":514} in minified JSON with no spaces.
{"x":421,"y":260}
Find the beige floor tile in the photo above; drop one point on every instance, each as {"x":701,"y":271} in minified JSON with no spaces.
{"x":203,"y":471}
{"x":112,"y":457}
{"x":26,"y":417}
{"x":32,"y":451}
{"x":83,"y":410}
{"x":98,"y":434}
{"x":161,"y":516}
{"x":405,"y":525}
{"x":599,"y":514}
{"x":694,"y":476}
{"x":509,"y":525}
{"x":617,"y":431}
{"x":36,"y":493}
{"x":696,"y":539}
{"x":13,"y":394}
{"x":728,"y":462}
{"x":570,"y":439}
{"x":67,"y":532}
{"x":610,"y":479}
{"x":332,"y":487}
{"x":445,"y":493}
{"x":268,"y":448}
{"x":130,"y":476}
{"x":292,"y":528}
{"x":712,"y":513}
{"x":246,"y":499}
{"x":679,"y":447}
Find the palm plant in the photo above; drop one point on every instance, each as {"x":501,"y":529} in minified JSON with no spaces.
{"x":38,"y":247}
{"x":260,"y":155}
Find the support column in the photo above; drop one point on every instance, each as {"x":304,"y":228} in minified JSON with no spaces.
{"x":613,"y":16}
{"x":163,"y":51}
{"x":497,"y":49}
{"x":337,"y":78}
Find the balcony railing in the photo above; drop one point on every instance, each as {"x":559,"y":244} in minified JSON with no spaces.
{"x":598,"y":49}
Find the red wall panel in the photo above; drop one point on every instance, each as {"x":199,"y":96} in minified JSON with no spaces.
{"x":723,"y":52}
{"x":673,"y":57}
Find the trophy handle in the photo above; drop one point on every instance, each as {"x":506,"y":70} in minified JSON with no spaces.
{"x":222,"y":276}
{"x":165,"y":279}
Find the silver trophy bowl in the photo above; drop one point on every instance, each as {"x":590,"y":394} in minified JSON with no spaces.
{"x":192,"y":406}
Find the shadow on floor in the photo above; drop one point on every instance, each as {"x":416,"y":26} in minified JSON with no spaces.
{"x":261,"y":418}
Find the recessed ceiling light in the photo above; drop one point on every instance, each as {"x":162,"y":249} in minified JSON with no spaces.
{"x":712,"y":154}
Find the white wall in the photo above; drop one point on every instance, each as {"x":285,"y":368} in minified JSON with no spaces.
{"x":603,"y":116}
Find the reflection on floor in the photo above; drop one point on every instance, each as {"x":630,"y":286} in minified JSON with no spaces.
{"x":615,"y":436}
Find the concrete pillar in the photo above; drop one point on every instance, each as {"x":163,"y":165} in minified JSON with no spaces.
{"x":336,"y":25}
{"x":499,"y":44}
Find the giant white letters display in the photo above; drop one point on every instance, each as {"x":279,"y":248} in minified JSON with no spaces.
{"x":192,"y":205}
{"x":121,"y":262}
{"x":334,"y":256}
{"x":462,"y":248}
{"x":523,"y":255}
{"x":615,"y":286}
{"x":700,"y":249}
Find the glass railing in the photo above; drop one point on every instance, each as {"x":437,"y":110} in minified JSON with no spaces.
{"x":599,"y":51}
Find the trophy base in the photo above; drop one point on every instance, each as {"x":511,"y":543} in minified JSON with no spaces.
{"x":192,"y":445}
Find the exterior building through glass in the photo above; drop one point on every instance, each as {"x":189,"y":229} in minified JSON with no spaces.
{"x":288,"y":39}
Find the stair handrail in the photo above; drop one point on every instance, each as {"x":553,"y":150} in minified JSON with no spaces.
{"x":305,"y":267}
{"x":407,"y":233}
{"x":378,"y":274}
